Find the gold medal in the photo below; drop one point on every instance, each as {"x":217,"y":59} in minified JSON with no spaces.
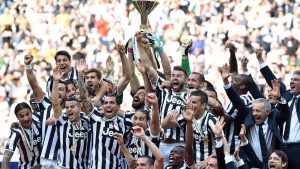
{"x":73,"y":148}
{"x":205,"y":140}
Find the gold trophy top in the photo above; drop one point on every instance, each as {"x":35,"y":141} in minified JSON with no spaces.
{"x":144,"y":7}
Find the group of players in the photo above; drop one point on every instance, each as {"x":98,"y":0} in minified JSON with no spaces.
{"x":177,"y":120}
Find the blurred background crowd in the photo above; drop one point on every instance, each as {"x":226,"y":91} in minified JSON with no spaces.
{"x":90,"y":29}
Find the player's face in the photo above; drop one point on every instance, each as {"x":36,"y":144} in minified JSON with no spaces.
{"x":71,"y":90}
{"x":25,"y":117}
{"x":193,"y":82}
{"x":177,"y":80}
{"x":142,"y":163}
{"x":275,"y":162}
{"x":139,"y":119}
{"x":196,"y":104}
{"x":91,"y":82}
{"x":138,"y":100}
{"x":212,"y":164}
{"x":259,"y":113}
{"x":295,"y":84}
{"x":110,"y":107}
{"x":72,"y":110}
{"x":176,"y":156}
{"x":63,"y":62}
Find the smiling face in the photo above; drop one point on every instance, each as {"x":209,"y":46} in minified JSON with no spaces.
{"x":193,"y":82}
{"x":63,"y":63}
{"x":198,"y":107}
{"x":275,"y":162}
{"x":259,"y":113}
{"x":138,"y":100}
{"x":295,"y":85}
{"x":71,"y":90}
{"x":110,"y":107}
{"x":176,"y":156}
{"x":72,"y":110}
{"x":140,"y":119}
{"x":177,"y":80}
{"x":25,"y":117}
{"x":92,"y":83}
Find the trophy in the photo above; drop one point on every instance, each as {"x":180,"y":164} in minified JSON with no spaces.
{"x":144,"y":7}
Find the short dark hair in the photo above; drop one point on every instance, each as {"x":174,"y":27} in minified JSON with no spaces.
{"x":20,"y":106}
{"x":208,"y":84}
{"x":146,"y":112}
{"x":297,"y":72}
{"x":64,"y":53}
{"x":149,"y":159}
{"x":70,"y":99}
{"x":201,"y":76}
{"x":98,"y":73}
{"x":67,"y":82}
{"x":201,"y":94}
{"x":179,"y":68}
{"x":283,"y":157}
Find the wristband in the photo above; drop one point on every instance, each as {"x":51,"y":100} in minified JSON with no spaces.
{"x":28,"y":67}
{"x":129,"y":50}
{"x":219,"y":137}
{"x":160,"y":49}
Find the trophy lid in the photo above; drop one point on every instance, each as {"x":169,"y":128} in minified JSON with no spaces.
{"x":145,"y":6}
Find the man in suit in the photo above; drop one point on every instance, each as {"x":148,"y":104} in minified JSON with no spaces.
{"x":261,"y":121}
{"x":291,"y":129}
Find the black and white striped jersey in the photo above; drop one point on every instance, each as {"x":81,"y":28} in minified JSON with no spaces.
{"x":232,"y":129}
{"x":28,"y":142}
{"x":49,"y":135}
{"x":106,"y":152}
{"x":74,"y":142}
{"x":169,"y":100}
{"x":203,"y":142}
{"x":138,"y":148}
{"x":72,"y":75}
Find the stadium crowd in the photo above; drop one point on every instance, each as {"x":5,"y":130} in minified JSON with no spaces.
{"x":218,"y":61}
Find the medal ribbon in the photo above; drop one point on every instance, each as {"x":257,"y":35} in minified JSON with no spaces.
{"x":75,"y":126}
{"x":198,"y":125}
{"x":30,"y":145}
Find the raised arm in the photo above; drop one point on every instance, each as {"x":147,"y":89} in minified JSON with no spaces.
{"x":232,"y":60}
{"x":125,"y":68}
{"x":185,"y":63}
{"x":37,"y":90}
{"x":57,"y":74}
{"x":87,"y":105}
{"x":266,"y":71}
{"x":232,"y":94}
{"x":134,"y":81}
{"x":129,"y":158}
{"x":151,"y":72}
{"x":217,"y":130}
{"x":155,"y":122}
{"x":188,"y":152}
{"x":253,"y":89}
{"x":158,"y":47}
{"x":139,"y":132}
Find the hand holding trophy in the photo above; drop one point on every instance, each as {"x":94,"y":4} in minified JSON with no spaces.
{"x":144,"y":7}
